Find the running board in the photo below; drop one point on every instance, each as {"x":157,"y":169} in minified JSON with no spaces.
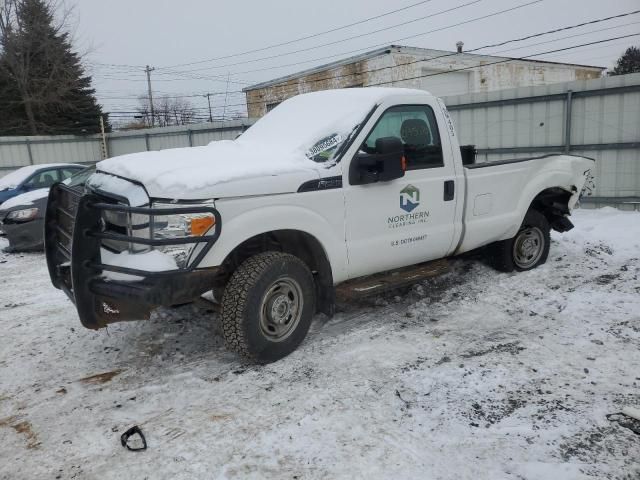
{"x":389,"y":280}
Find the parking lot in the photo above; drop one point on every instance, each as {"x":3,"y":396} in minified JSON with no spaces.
{"x":475,"y":374}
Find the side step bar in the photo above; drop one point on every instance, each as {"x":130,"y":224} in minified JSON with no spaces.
{"x":390,"y":280}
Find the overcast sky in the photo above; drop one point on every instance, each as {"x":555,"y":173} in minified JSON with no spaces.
{"x":163,"y":34}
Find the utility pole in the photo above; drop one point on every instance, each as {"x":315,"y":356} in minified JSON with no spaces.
{"x":148,"y":71}
{"x":208,"y":95}
{"x":226,"y":94}
{"x":103,"y":144}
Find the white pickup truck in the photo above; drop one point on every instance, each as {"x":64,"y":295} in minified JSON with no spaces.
{"x":328,"y":187}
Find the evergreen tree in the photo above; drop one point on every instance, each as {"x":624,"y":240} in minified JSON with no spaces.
{"x":43,"y":86}
{"x":629,"y":62}
{"x":12,"y":117}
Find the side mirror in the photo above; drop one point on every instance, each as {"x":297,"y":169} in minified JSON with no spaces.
{"x":388,"y":163}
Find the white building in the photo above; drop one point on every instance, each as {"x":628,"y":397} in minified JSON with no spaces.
{"x":440,"y":72}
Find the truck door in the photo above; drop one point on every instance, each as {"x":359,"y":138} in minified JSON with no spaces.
{"x":390,"y":224}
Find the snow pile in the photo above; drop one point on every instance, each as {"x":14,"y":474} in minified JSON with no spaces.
{"x":153,"y":261}
{"x":276,"y":144}
{"x":25,"y":199}
{"x":475,"y":375}
{"x":617,"y":229}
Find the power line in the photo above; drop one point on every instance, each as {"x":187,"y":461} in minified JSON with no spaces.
{"x":369,"y":33}
{"x":397,"y":40}
{"x":443,"y":28}
{"x":502,"y":43}
{"x":347,"y":39}
{"x":449,"y":54}
{"x":402,"y":24}
{"x":506,"y":60}
{"x":510,"y":59}
{"x":137,"y":75}
{"x":169,"y":95}
{"x":613,"y":44}
{"x":452,"y":54}
{"x":590,"y":22}
{"x":289,"y":42}
{"x":566,"y":37}
{"x":118,"y":65}
{"x":188,"y":75}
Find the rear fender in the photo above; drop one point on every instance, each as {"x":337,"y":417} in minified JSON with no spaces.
{"x":565,"y":173}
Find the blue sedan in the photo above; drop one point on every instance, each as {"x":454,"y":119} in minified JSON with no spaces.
{"x":34,"y":177}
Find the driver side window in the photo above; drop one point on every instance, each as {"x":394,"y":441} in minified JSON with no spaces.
{"x":42,"y":179}
{"x":416,"y":126}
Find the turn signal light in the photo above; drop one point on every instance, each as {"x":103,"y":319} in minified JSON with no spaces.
{"x":200,"y":226}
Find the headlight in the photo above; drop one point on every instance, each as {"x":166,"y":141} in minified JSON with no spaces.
{"x":23,"y":215}
{"x":180,"y":226}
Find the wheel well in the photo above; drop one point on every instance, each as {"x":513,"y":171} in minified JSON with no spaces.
{"x":301,"y":244}
{"x":553,"y":203}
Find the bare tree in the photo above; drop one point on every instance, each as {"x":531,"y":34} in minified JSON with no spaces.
{"x":168,"y":111}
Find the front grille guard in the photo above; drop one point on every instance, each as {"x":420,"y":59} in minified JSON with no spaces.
{"x":74,"y":234}
{"x":207,"y":240}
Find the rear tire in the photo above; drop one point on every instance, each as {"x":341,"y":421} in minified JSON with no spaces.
{"x":527,"y":250}
{"x":267,"y":306}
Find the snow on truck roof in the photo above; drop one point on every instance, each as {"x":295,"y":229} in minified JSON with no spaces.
{"x":285,"y":140}
{"x":308,"y":117}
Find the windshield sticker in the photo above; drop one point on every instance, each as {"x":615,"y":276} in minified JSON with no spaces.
{"x":324,"y":145}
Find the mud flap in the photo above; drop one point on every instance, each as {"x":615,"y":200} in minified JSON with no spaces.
{"x":561,"y":224}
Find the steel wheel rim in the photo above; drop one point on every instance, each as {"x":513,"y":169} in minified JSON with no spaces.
{"x":528,"y":247}
{"x":281,"y":309}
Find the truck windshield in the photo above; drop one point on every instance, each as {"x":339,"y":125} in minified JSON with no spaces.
{"x":316,"y":124}
{"x":80,"y":178}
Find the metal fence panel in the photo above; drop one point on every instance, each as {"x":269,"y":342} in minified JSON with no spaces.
{"x":66,"y":152}
{"x":124,"y":145}
{"x":14,"y":155}
{"x":16,"y":152}
{"x":162,"y":142}
{"x":602,"y":117}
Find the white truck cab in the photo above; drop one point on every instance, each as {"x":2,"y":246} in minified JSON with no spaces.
{"x":328,"y":187}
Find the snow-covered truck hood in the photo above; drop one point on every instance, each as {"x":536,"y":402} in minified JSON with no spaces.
{"x":221,"y":169}
{"x":292,"y":144}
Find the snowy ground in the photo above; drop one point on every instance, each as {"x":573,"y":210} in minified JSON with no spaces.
{"x":475,"y":375}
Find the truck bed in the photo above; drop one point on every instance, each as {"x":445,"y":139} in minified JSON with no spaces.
{"x":499,"y":193}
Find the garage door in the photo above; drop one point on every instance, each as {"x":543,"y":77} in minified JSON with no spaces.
{"x":454,"y":83}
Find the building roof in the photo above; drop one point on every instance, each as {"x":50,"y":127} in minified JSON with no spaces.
{"x":394,"y":49}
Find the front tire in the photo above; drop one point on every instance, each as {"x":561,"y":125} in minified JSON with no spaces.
{"x":527,"y":250}
{"x":267,"y":306}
